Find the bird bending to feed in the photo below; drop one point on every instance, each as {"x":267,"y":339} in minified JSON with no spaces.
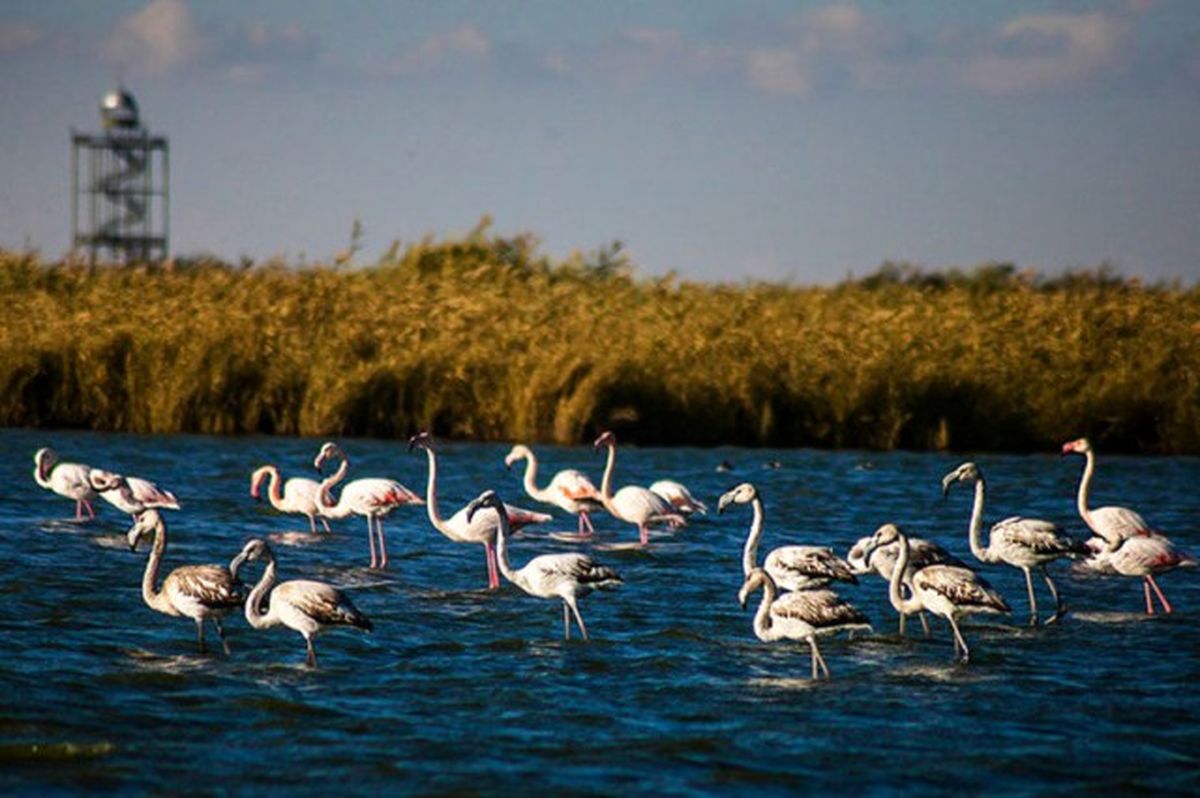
{"x":633,"y":504}
{"x":306,"y":606}
{"x":462,"y":527}
{"x":568,"y":576}
{"x":1025,"y":543}
{"x":569,"y":490}
{"x":946,"y":590}
{"x":680,"y":497}
{"x":1151,"y":553}
{"x":790,"y":567}
{"x":130,"y":495}
{"x":296,"y":495}
{"x":374,"y":498}
{"x":863,"y":559}
{"x":199,"y":592}
{"x":66,"y":479}
{"x":802,"y":615}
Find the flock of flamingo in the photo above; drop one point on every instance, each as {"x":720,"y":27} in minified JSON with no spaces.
{"x":796,"y":603}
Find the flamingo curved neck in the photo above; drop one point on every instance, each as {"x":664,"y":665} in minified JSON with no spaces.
{"x":975,"y":531}
{"x":274,"y":485}
{"x":1085,"y":487}
{"x":154,"y":597}
{"x":530,"y":479}
{"x":325,"y":494}
{"x":750,"y":552}
{"x":606,"y":494}
{"x":431,"y":508}
{"x":895,"y":596}
{"x":502,"y":532}
{"x":41,"y":474}
{"x":762,"y":618}
{"x":254,"y":614}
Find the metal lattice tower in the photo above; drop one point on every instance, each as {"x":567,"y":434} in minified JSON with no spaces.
{"x":119,"y":179}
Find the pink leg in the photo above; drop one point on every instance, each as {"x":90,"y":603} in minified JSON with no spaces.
{"x":91,"y":512}
{"x":79,"y":509}
{"x":644,"y":533}
{"x":382,"y":543}
{"x":371,"y":540}
{"x":1165,"y":604}
{"x":1146,"y":588}
{"x":586,"y":521}
{"x":490,"y":555}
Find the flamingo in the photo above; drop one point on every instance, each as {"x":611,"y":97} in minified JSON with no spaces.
{"x":803,"y":615}
{"x":307,"y":607}
{"x":130,"y":495}
{"x":297,"y":495}
{"x":679,"y":497}
{"x":790,"y":567}
{"x":633,"y":504}
{"x":1114,"y":524}
{"x":1144,"y":556}
{"x":568,"y":577}
{"x":569,"y":489}
{"x":946,"y":590}
{"x":199,"y":592}
{"x":882,"y":560}
{"x":1024,"y":543}
{"x":65,"y":479}
{"x":372,"y":497}
{"x":461,"y":527}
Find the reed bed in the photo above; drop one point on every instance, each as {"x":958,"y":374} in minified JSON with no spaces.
{"x":487,"y":339}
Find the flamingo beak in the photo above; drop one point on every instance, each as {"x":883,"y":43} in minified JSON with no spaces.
{"x":947,"y":481}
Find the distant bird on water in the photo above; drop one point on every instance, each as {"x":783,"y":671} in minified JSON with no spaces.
{"x":130,"y":495}
{"x":568,"y":577}
{"x":199,"y":592}
{"x":305,"y":606}
{"x":680,"y":497}
{"x":569,"y":489}
{"x":633,"y":504}
{"x":66,"y":479}
{"x":803,"y":615}
{"x":1025,"y":543}
{"x":296,"y":495}
{"x":864,"y":559}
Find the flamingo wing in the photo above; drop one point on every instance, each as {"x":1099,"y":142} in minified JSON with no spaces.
{"x":574,"y":485}
{"x":960,"y":586}
{"x":211,"y":586}
{"x":1039,"y":536}
{"x":1117,"y":523}
{"x":151,"y":495}
{"x":802,"y":564}
{"x":322,"y":602}
{"x":818,"y":608}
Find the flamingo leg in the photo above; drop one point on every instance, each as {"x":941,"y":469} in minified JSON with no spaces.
{"x":924,"y":624}
{"x":200,"y":635}
{"x":312,"y":523}
{"x":325,"y":524}
{"x":1166,"y":605}
{"x":91,"y":512}
{"x":902,"y":617}
{"x":221,"y":634}
{"x":383,"y":561}
{"x":1146,"y":589}
{"x":566,"y":622}
{"x":644,"y":534}
{"x":490,"y":556}
{"x":1033,"y":613}
{"x":311,"y":659}
{"x":1059,"y":609}
{"x":812,"y":646}
{"x":959,"y":642}
{"x":586,"y":520}
{"x":578,"y":618}
{"x":79,"y":509}
{"x":371,"y":540}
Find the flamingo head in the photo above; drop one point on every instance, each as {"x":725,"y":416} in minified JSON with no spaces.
{"x":755,"y":580}
{"x":885,"y":535}
{"x":1078,"y":446}
{"x":422,"y":440}
{"x":517,"y":454}
{"x":101,"y":480}
{"x":255,"y":549}
{"x":742,"y":494}
{"x":967,"y":472}
{"x":607,"y":438}
{"x":147,"y":522}
{"x":329,"y":451}
{"x":44,"y":459}
{"x":489,"y":498}
{"x":859,"y":556}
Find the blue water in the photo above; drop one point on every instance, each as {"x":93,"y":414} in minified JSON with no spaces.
{"x":464,"y":691}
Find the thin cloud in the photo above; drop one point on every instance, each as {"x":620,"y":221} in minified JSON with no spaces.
{"x":160,"y":37}
{"x":465,"y":45}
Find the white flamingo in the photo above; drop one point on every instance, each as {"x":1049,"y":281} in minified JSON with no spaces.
{"x":791,"y":567}
{"x":568,"y":577}
{"x":802,"y":615}
{"x":374,"y":498}
{"x":569,"y":490}
{"x":946,"y":590}
{"x":66,"y":479}
{"x":296,"y":495}
{"x":305,"y":606}
{"x":680,"y":497}
{"x":633,"y":504}
{"x":1114,"y":524}
{"x":199,"y":592}
{"x":1025,"y":543}
{"x":460,"y":527}
{"x":1142,"y":556}
{"x":130,"y":495}
{"x":881,"y":560}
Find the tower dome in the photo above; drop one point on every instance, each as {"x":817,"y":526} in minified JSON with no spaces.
{"x":118,"y":109}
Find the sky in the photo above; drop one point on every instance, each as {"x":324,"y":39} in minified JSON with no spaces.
{"x":723,"y":141}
